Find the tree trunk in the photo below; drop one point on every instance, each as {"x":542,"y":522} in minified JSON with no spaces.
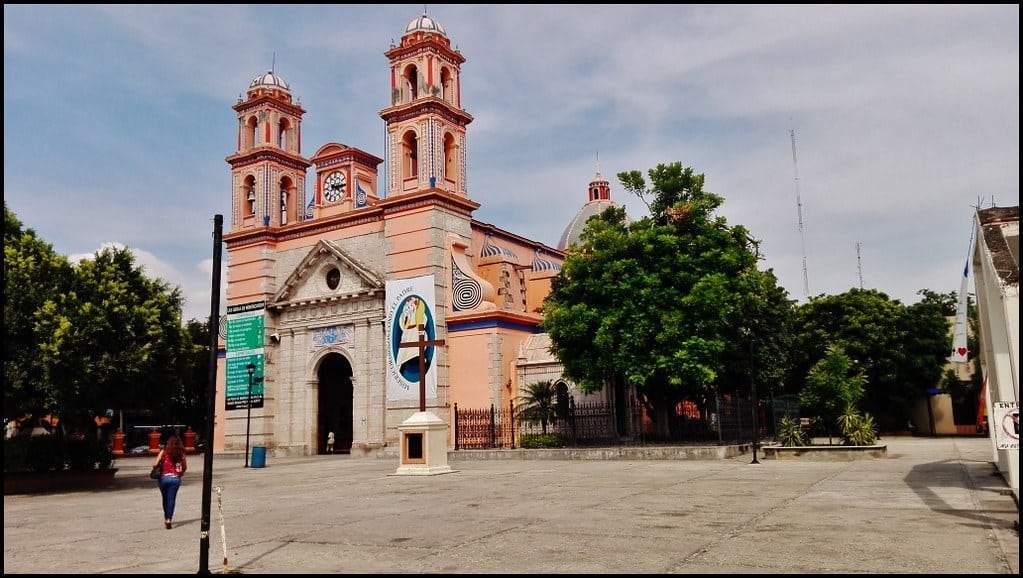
{"x":662,"y":421}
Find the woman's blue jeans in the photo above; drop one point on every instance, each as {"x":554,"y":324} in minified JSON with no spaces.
{"x":169,"y":490}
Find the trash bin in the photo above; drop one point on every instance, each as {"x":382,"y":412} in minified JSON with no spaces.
{"x":258,"y":457}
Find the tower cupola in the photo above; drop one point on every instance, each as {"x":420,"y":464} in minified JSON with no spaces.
{"x":425,"y":24}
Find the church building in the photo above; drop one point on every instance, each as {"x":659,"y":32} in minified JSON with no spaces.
{"x":336,"y":259}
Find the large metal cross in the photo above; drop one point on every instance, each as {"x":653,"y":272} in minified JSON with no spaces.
{"x":422,"y":344}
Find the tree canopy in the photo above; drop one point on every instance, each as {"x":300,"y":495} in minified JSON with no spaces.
{"x":93,"y":335}
{"x":900,"y":349}
{"x":660,"y":301}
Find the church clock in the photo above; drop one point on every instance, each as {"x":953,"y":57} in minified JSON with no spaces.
{"x":334,"y":187}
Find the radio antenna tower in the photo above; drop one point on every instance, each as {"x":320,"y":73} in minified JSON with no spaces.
{"x":799,"y":209}
{"x":859,"y":263}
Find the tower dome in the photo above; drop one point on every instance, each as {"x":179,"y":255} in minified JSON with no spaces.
{"x":269,"y":80}
{"x":599,"y":195}
{"x":425,"y":23}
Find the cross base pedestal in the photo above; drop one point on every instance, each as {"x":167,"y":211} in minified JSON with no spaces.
{"x":423,"y":446}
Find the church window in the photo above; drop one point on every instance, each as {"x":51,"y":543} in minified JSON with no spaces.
{"x":252,"y":135}
{"x":410,"y":154}
{"x":333,"y":278}
{"x":449,"y":157}
{"x":412,"y":81}
{"x":282,"y":133}
{"x":445,"y":84}
{"x":287,"y":193}
{"x":250,"y":194}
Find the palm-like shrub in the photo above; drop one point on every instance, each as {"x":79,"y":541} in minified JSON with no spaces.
{"x":858,"y":430}
{"x":790,"y":433}
{"x":832,"y":388}
{"x":537,"y":404}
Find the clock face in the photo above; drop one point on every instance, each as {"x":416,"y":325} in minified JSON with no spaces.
{"x":334,"y":187}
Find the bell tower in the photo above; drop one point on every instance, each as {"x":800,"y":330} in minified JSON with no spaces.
{"x":425,"y":124}
{"x":268,"y":170}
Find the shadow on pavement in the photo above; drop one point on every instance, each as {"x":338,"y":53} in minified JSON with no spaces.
{"x":953,"y":474}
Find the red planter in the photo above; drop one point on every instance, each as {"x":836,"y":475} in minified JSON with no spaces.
{"x":190,"y":440}
{"x":154,"y":442}
{"x":118,"y":448}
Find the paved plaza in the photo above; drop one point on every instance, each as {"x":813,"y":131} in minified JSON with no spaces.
{"x":932,"y":506}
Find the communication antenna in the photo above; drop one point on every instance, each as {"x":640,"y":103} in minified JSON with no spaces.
{"x":799,"y":209}
{"x":859,"y":263}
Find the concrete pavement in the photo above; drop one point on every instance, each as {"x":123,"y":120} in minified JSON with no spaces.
{"x":932,"y":506}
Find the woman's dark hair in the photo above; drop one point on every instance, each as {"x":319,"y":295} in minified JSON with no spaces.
{"x":173,"y":448}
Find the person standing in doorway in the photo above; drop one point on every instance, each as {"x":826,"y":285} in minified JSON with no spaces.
{"x":171,"y":460}
{"x":330,"y":442}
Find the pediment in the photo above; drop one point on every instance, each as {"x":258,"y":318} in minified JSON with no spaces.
{"x":309,"y":282}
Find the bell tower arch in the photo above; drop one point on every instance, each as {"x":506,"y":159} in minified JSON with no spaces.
{"x":425,"y":124}
{"x":267,"y":166}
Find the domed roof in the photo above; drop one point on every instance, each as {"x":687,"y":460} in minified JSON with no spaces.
{"x":575,"y":227}
{"x":424,"y":24}
{"x":269,"y":80}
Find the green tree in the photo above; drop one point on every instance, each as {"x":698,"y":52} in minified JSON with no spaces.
{"x":113,"y":339}
{"x":768,"y":324}
{"x":832,"y":388}
{"x":189,"y":398}
{"x":538,"y":404}
{"x":655,"y":302}
{"x":35,"y":277}
{"x":901,"y":349}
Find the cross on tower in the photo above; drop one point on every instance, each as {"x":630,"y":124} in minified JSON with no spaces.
{"x":422,"y":344}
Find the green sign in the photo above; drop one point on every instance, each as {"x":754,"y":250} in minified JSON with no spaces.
{"x":237,"y":382}
{"x":245,"y":329}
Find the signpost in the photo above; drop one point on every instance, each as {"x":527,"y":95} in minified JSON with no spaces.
{"x":211,"y":400}
{"x":245,"y":329}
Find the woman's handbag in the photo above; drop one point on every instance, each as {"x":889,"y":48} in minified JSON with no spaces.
{"x":155,"y":472}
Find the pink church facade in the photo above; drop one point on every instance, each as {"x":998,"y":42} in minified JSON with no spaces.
{"x":317,"y":246}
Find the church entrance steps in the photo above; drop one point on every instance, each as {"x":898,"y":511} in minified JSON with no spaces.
{"x":704,"y":452}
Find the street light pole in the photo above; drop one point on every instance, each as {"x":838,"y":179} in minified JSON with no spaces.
{"x":211,"y":398}
{"x":248,"y":413}
{"x":753,"y":394}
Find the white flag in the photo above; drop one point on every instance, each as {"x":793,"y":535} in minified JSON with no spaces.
{"x":960,"y":352}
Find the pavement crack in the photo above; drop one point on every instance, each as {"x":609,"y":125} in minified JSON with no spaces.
{"x":738,"y":529}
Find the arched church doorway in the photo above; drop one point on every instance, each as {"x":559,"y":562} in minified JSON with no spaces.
{"x":335,"y":404}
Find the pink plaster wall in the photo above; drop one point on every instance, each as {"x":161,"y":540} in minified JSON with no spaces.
{"x":470,"y":368}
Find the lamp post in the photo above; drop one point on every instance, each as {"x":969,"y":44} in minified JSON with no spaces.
{"x":753,"y":394}
{"x":248,"y":412}
{"x":748,"y":333}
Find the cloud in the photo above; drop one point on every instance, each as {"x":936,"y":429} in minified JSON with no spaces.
{"x":904,"y":115}
{"x":194,"y":284}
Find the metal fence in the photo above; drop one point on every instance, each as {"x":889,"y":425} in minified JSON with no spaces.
{"x":716,"y":419}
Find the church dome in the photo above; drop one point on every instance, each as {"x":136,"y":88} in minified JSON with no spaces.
{"x":269,"y":80}
{"x":578,"y":223}
{"x":424,"y":24}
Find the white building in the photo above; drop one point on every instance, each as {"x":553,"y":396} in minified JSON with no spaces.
{"x":996,"y":274}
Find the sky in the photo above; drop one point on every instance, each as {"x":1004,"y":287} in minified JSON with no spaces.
{"x":117,"y":120}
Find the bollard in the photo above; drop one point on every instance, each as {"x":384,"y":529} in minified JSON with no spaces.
{"x":154,"y":442}
{"x":190,"y":441}
{"x":118,"y":448}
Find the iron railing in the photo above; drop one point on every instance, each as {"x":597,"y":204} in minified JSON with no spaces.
{"x":714,"y":419}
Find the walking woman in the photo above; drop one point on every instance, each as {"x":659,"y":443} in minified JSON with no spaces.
{"x":171,"y":461}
